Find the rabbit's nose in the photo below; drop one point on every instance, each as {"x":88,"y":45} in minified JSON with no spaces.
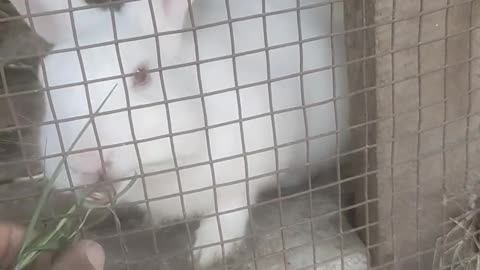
{"x":142,"y":76}
{"x":103,"y":170}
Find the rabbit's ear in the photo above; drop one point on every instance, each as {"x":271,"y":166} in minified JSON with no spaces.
{"x":19,"y":6}
{"x":174,"y":12}
{"x":21,"y":40}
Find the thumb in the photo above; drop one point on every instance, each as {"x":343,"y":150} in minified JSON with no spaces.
{"x":85,"y":255}
{"x":11,"y":237}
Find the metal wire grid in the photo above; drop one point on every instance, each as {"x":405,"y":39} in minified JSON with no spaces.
{"x":166,"y":103}
{"x":448,"y":199}
{"x":362,"y":92}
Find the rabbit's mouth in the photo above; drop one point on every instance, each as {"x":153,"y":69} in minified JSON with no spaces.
{"x":98,"y":193}
{"x":117,"y":5}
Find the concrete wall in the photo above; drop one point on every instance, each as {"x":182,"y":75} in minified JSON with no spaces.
{"x":423,"y":160}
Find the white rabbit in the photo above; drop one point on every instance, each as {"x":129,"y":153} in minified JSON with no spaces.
{"x":149,"y":125}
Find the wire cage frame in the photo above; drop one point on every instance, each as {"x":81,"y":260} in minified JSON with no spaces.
{"x":258,"y":261}
{"x":410,"y":176}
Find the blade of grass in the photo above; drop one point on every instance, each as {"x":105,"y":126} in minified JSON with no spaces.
{"x":468,"y":233}
{"x":26,"y":257}
{"x":125,"y":190}
{"x":464,"y":254}
{"x":51,"y":240}
{"x":80,"y":226}
{"x":47,"y":190}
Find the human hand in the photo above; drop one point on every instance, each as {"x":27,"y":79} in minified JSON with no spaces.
{"x":84,"y":255}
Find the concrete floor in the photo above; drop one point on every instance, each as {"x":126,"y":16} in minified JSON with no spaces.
{"x":167,"y":250}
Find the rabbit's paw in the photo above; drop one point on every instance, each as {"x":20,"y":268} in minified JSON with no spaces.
{"x":206,"y":257}
{"x":207,"y":236}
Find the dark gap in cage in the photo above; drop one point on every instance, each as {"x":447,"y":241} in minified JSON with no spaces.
{"x":362,"y":75}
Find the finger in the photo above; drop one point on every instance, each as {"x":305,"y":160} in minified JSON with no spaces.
{"x":44,"y":261}
{"x":11,"y":237}
{"x":85,"y":255}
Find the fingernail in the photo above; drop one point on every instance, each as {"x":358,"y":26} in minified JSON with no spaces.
{"x":96,"y":255}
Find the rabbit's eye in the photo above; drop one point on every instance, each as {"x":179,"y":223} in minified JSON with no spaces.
{"x":141,"y":76}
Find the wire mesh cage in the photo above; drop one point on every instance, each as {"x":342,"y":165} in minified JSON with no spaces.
{"x":221,"y":114}
{"x":245,"y":134}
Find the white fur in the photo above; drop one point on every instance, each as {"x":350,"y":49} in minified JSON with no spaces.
{"x":94,"y":26}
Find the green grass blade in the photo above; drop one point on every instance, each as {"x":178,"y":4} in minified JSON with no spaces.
{"x":48,"y":189}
